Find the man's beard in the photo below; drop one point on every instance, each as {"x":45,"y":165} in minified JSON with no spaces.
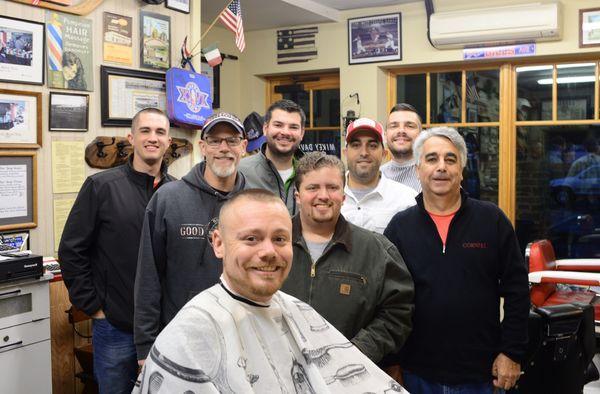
{"x":221,"y":172}
{"x":400,"y":153}
{"x":274,"y":150}
{"x":365,"y":176}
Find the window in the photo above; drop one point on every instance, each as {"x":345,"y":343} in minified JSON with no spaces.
{"x":558,"y":157}
{"x":467,"y":100}
{"x":533,"y":134}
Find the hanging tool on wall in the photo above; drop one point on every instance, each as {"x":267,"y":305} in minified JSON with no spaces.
{"x":109,"y":152}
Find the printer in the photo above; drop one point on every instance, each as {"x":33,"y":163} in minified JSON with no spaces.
{"x":20,"y":265}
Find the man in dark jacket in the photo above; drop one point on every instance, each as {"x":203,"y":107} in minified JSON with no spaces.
{"x":273,"y":167}
{"x":176,"y":260}
{"x":463,"y":256}
{"x":99,"y":247}
{"x":354,"y":278}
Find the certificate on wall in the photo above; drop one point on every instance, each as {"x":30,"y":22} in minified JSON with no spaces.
{"x":17,"y":190}
{"x":13,"y":190}
{"x":62,"y":208}
{"x":125,"y":92}
{"x":134,"y":95}
{"x":117,"y":39}
{"x":68,"y":166}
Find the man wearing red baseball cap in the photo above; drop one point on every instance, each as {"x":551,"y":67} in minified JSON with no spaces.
{"x":371,"y":198}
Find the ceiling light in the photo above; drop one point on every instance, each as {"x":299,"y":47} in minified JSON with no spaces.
{"x":533,"y":68}
{"x":576,"y":65}
{"x":584,"y":78}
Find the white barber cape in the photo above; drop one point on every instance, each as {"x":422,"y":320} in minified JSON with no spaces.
{"x":222,"y":343}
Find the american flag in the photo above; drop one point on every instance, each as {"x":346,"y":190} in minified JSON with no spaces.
{"x":231,"y":17}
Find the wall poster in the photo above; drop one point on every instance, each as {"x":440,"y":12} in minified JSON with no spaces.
{"x":155,"y":45}
{"x":117,"y":42}
{"x":69,"y":41}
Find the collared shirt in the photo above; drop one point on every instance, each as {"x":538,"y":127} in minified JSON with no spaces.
{"x":405,"y":173}
{"x":375,"y":210}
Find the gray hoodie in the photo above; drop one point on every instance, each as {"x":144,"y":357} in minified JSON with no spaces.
{"x":176,"y":260}
{"x":261,"y":173}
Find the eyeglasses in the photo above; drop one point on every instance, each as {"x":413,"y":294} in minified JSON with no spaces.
{"x":216,"y":142}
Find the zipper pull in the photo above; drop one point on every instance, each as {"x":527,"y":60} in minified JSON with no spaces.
{"x":444,"y":249}
{"x":313,"y":270}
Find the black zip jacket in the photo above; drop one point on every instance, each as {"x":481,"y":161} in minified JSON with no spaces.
{"x":457,"y":332}
{"x":100,"y":241}
{"x":176,"y":260}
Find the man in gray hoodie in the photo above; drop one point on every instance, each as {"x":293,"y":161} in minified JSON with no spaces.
{"x":176,"y":260}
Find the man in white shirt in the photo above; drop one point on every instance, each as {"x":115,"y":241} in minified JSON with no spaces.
{"x":245,"y":336}
{"x":371,"y":198}
{"x":403,"y":126}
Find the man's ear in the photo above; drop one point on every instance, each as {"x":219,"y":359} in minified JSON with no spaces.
{"x":130,"y":138}
{"x":217,"y":243}
{"x":297,"y":197}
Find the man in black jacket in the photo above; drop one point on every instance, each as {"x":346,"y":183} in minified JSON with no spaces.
{"x":99,"y":247}
{"x":463,"y":256}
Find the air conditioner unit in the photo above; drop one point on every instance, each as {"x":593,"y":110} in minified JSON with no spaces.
{"x":498,"y":25}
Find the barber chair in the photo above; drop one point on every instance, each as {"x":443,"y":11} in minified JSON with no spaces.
{"x":560,"y":350}
{"x":562,"y":322}
{"x":556,"y":282}
{"x":83,"y":353}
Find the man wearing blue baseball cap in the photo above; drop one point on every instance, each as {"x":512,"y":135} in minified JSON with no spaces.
{"x":176,"y":260}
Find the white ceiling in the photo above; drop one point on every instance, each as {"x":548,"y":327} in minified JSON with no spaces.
{"x":269,"y":14}
{"x":354,"y":4}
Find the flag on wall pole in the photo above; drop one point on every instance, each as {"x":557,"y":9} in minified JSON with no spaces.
{"x":231,"y":17}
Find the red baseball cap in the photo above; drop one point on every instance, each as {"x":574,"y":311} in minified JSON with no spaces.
{"x":365,"y":124}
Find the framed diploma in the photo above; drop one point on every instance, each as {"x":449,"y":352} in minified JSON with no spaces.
{"x":125,"y":92}
{"x":18,"y":186}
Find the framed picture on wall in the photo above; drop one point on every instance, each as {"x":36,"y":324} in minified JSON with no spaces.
{"x":22,"y":51}
{"x":124,"y":92}
{"x":18,"y":184}
{"x":68,"y":112}
{"x":589,"y":27}
{"x":20,"y":119}
{"x":155,"y":45}
{"x":375,"y":38}
{"x":179,"y":5}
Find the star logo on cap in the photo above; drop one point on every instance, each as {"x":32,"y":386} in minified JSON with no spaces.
{"x":192,"y":97}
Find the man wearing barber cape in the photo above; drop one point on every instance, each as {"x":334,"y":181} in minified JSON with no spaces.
{"x":243,"y":335}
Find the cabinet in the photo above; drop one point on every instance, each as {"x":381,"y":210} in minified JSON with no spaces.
{"x":25,"y":336}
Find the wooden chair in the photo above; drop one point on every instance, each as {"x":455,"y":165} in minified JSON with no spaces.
{"x":83,"y":353}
